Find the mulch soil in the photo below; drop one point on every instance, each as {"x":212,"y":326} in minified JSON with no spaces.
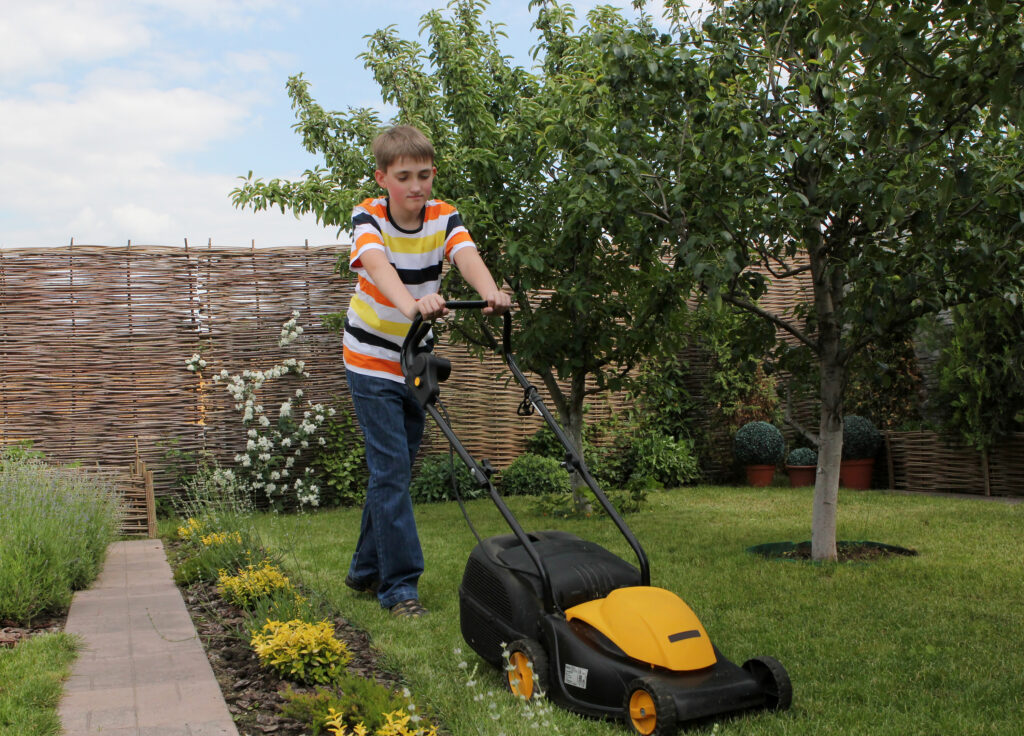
{"x":11,"y":632}
{"x":850,"y":552}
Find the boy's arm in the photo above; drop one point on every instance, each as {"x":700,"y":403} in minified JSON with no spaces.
{"x":386,"y":278}
{"x":474,"y":270}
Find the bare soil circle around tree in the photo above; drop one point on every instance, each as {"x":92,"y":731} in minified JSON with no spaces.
{"x":859,"y":551}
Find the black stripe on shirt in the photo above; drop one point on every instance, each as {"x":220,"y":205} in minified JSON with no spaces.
{"x":368,"y":338}
{"x":420,"y":275}
{"x":454,"y":221}
{"x":365,"y":218}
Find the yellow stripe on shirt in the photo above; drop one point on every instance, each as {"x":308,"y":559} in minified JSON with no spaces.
{"x":425,"y":244}
{"x":370,"y":318}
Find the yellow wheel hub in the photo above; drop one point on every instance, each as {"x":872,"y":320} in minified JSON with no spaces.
{"x":641,"y":712}
{"x":520,"y":677}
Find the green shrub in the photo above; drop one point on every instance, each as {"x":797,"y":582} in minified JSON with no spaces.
{"x":802,"y":456}
{"x":217,"y":532}
{"x":861,"y":439}
{"x":759,"y":443}
{"x":533,"y":475}
{"x":651,"y":454}
{"x":545,"y":443}
{"x":433,"y":481}
{"x":205,"y":551}
{"x":279,"y":605}
{"x":662,"y":398}
{"x":55,"y":526}
{"x":341,"y":462}
{"x":303,"y":652}
{"x":356,"y":699}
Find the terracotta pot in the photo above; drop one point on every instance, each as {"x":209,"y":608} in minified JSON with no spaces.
{"x":760,"y":475}
{"x":856,"y":473}
{"x":801,"y":475}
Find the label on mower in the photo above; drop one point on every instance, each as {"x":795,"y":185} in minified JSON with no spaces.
{"x":575,"y":676}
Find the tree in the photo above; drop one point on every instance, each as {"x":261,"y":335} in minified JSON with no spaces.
{"x":595,"y":294}
{"x":877,"y":147}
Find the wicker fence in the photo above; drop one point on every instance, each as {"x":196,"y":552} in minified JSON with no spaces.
{"x":926,"y":461}
{"x":93,"y":343}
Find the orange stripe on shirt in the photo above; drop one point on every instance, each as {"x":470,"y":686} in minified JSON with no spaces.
{"x":373,"y":292}
{"x":368,"y":238}
{"x":457,"y":238}
{"x":376,"y":207}
{"x":436,"y":210}
{"x":352,"y":358}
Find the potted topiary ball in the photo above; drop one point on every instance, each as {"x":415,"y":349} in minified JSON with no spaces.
{"x":759,"y":447}
{"x":861,"y":441}
{"x":802,"y":466}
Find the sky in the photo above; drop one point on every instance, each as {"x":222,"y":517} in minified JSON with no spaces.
{"x":132,"y":120}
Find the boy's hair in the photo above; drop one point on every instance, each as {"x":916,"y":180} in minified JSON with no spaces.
{"x":401,"y":141}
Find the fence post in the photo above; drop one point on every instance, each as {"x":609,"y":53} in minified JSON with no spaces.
{"x":889,"y":466}
{"x":985,"y":473}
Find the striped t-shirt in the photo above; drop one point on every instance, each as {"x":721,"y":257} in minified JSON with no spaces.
{"x":374,"y":327}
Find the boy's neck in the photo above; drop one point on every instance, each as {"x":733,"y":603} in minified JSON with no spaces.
{"x":403,"y":220}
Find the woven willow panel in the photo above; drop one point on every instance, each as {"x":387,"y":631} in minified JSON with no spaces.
{"x":93,"y":343}
{"x":926,"y":461}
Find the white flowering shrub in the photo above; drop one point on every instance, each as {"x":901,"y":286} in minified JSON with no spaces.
{"x":276,"y":439}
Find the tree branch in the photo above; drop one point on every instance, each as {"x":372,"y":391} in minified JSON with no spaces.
{"x":774,"y":319}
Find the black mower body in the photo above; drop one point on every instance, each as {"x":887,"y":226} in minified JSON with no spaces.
{"x":501,"y":601}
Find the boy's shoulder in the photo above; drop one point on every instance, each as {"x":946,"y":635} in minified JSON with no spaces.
{"x":377,"y":206}
{"x":438,"y":208}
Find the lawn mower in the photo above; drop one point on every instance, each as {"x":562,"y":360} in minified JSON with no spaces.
{"x":567,"y":618}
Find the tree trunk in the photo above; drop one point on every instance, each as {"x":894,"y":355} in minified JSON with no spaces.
{"x":828,"y":293}
{"x":574,"y":428}
{"x":830,"y":452}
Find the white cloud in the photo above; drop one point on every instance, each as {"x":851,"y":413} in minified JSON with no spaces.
{"x":109,"y":163}
{"x":38,"y":37}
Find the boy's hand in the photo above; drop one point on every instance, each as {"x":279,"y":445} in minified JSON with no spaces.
{"x":498,"y":302}
{"x":430,"y":307}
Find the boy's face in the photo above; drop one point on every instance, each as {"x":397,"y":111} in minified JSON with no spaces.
{"x":408,"y":184}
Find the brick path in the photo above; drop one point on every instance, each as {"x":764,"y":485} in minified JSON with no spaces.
{"x":142,"y":670}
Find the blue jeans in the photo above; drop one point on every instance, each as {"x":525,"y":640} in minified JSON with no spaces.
{"x":388,"y":549}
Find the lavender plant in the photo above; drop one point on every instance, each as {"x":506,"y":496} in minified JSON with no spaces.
{"x":55,"y":526}
{"x":277,"y":441}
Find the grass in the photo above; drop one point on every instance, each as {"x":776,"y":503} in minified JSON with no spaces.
{"x":913,"y":645}
{"x":31,"y":681}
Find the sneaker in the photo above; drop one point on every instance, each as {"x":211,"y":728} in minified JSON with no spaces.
{"x":408,"y":609}
{"x":369,"y":587}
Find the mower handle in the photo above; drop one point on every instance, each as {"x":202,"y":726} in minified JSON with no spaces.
{"x":419,"y":329}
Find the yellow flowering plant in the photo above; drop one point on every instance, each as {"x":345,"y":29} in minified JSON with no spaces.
{"x":216,"y":539}
{"x":396,"y":724}
{"x":252,"y":583}
{"x":191,"y":530}
{"x":301,"y":651}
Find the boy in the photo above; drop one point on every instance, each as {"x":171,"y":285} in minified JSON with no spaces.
{"x":398,"y":246}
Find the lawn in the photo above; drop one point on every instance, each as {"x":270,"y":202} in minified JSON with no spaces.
{"x":932,"y":644}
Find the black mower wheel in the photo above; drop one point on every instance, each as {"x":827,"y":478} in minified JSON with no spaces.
{"x":526,"y":673}
{"x":650,"y":708}
{"x":774,"y":681}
